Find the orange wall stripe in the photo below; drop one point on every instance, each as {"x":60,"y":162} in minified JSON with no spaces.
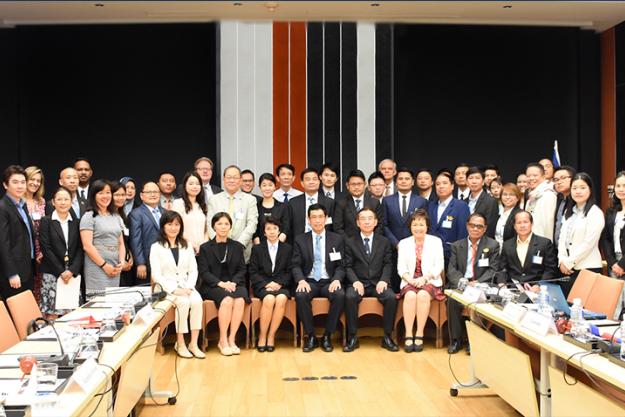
{"x":280,"y":93}
{"x":298,"y":95}
{"x":608,"y":112}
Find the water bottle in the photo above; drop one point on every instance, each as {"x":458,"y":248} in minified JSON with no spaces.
{"x":576,"y":318}
{"x":623,"y":340}
{"x":543,"y":301}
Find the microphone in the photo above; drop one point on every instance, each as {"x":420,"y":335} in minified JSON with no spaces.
{"x":32,"y":326}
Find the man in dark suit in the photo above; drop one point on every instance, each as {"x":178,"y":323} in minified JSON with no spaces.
{"x":144,"y":227}
{"x":298,"y":206}
{"x":17,"y":235}
{"x":345,"y":209}
{"x":562,"y":178}
{"x":376,"y":186}
{"x":482,"y":202}
{"x":475,"y":258}
{"x":85,"y":172}
{"x":329,"y":176}
{"x":397,"y":209}
{"x":369,"y":266}
{"x":461,"y":188}
{"x":318,"y":269}
{"x":204,"y":168}
{"x":425,"y":184}
{"x":68,"y":178}
{"x":528,"y":257}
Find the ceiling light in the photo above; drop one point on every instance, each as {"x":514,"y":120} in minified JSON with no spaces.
{"x":507,"y":6}
{"x":271,"y":6}
{"x":99,"y":5}
{"x":237,"y":4}
{"x":375,"y":5}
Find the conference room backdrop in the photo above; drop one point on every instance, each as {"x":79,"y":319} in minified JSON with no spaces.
{"x":137,"y":99}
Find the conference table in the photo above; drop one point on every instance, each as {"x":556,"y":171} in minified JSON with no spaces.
{"x":506,"y":370}
{"x":132,"y":353}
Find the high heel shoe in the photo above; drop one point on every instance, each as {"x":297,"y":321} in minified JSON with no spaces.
{"x":182,"y":351}
{"x":197,"y":352}
{"x":226,"y":351}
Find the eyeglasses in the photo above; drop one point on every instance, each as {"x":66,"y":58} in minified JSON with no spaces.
{"x":506,"y":195}
{"x":232,"y":177}
{"x":151,"y":192}
{"x":476,"y":226}
{"x":558,"y":179}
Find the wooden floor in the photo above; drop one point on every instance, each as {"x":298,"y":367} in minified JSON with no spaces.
{"x":385,"y":384}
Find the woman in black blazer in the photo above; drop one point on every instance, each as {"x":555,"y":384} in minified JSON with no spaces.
{"x":510,"y":199}
{"x":271,"y":282}
{"x":221,"y":267}
{"x":270,"y":207}
{"x":613,"y":237}
{"x":59,"y":236}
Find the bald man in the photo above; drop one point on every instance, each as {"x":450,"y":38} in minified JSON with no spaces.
{"x":68,"y":178}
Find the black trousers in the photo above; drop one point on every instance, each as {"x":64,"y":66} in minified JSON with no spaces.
{"x":28,"y":283}
{"x":455,"y":321}
{"x":304,"y":305}
{"x":352,"y":299}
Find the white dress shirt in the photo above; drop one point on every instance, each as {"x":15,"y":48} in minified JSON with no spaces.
{"x":442,"y":205}
{"x":64,"y":226}
{"x":291,"y":192}
{"x":473,"y":201}
{"x":273,"y":252}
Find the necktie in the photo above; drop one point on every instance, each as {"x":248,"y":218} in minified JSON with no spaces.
{"x":404,"y":209}
{"x":230,"y":205}
{"x":286,"y":197}
{"x":157,"y":214}
{"x":329,"y":194}
{"x":357,"y":204}
{"x":317,"y":259}
{"x":367,"y":247}
{"x":387,"y":190}
{"x":311,"y":201}
{"x":82,"y":195}
{"x":473,"y":253}
{"x":168,"y":204}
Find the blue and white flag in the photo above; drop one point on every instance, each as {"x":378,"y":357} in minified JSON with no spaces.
{"x":555,"y":159}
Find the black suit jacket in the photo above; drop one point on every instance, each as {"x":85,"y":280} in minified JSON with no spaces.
{"x":303,"y":256}
{"x":81,"y":203}
{"x":279,"y":211}
{"x":260,"y":266}
{"x":369,"y":270}
{"x":298,"y":215}
{"x":53,"y":247}
{"x":607,"y":240}
{"x":508,"y":229}
{"x":487,"y":248}
{"x":530,"y":271}
{"x":210,"y":267}
{"x":488,"y":207}
{"x":15,"y":254}
{"x":344,"y":220}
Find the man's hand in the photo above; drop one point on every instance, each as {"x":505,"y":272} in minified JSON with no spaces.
{"x":381,"y":287}
{"x":360,"y":289}
{"x":335,"y":285}
{"x":303,"y":286}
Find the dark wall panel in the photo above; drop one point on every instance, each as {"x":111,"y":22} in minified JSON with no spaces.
{"x":314,"y":75}
{"x":332,"y":98}
{"x":9,"y":128}
{"x":619,"y":34}
{"x":493,"y":95}
{"x":134,"y":99}
{"x":349,"y":104}
{"x":384,"y":120}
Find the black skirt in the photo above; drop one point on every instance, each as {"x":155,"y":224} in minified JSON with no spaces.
{"x":261,"y":292}
{"x":217,"y":294}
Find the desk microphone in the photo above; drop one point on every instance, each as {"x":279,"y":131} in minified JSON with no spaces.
{"x":33,"y":326}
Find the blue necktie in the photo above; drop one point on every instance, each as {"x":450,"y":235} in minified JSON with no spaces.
{"x":286,"y":197}
{"x":367,"y":247}
{"x":317,"y":259}
{"x":357,"y":204}
{"x":157,"y":215}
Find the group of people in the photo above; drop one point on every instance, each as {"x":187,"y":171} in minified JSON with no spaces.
{"x":396,"y":234}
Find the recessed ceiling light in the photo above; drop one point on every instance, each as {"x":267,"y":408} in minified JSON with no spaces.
{"x":99,"y":5}
{"x":375,"y":4}
{"x":507,"y":6}
{"x":237,"y":4}
{"x":271,"y":6}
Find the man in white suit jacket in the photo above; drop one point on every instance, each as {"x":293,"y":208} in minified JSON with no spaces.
{"x":240,"y":206}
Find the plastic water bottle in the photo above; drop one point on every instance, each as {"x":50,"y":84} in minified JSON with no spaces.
{"x":543,"y":301}
{"x":623,"y":340}
{"x":577,"y":318}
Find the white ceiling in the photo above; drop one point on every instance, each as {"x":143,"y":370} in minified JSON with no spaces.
{"x":597,"y":15}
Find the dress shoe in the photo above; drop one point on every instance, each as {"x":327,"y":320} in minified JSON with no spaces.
{"x":418,"y":347}
{"x":270,"y":348}
{"x":326,"y":343}
{"x":197,"y":352}
{"x":468,"y":349}
{"x":224,"y":350}
{"x":261,"y":348}
{"x":182,"y":351}
{"x":409,"y":347}
{"x":352,"y":344}
{"x":310,"y":344}
{"x":235,"y":350}
{"x":454,"y":347}
{"x":388,"y":344}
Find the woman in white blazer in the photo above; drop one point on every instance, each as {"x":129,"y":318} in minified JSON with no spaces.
{"x":578,"y":245}
{"x":173,"y":266}
{"x":420,"y":263}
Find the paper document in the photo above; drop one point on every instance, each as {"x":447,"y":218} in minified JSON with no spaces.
{"x":67,"y":294}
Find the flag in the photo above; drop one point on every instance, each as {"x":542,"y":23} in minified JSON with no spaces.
{"x":555,"y":159}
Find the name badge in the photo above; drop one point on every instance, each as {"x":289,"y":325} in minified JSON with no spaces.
{"x":126,"y":232}
{"x":328,"y":220}
{"x":483,"y":262}
{"x":335,"y":256}
{"x":537,"y":259}
{"x":36,"y":216}
{"x":447,"y":224}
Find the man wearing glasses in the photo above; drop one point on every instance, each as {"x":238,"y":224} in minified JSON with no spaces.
{"x":204,"y":168}
{"x":476,"y":259}
{"x":562,"y":184}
